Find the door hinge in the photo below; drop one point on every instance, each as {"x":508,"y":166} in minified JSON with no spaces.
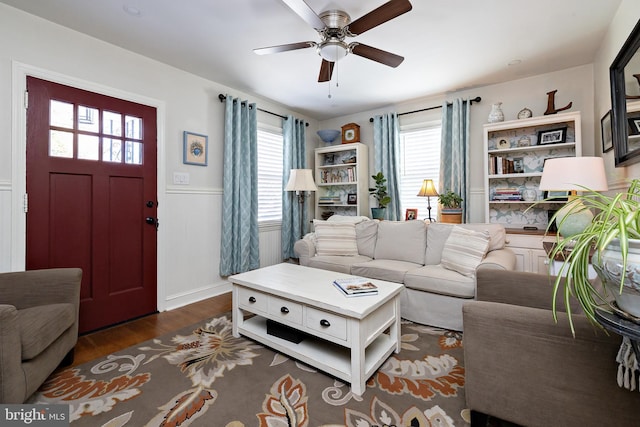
{"x":25,"y":203}
{"x":26,"y":99}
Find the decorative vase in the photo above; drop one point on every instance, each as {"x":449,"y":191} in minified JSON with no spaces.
{"x":608,"y":265}
{"x":378,"y":213}
{"x":496,"y":114}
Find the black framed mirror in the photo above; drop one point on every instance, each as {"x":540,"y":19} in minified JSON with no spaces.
{"x":624,"y":75}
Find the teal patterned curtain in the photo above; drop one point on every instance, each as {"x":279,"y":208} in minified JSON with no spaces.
{"x":386,"y":141}
{"x":454,"y":156}
{"x":239,"y":242}
{"x":294,"y":157}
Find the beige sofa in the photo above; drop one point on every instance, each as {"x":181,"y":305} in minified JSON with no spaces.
{"x":410,"y":252}
{"x":523,"y":367}
{"x":38,"y":327}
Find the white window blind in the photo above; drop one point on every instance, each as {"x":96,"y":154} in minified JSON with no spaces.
{"x":269,"y":175}
{"x":419,"y":160}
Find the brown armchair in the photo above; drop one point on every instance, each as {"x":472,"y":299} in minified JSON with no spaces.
{"x":38,"y":327}
{"x":523,"y":367}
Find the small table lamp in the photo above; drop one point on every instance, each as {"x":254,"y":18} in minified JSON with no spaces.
{"x":573,"y":174}
{"x":300,"y":181}
{"x":428,"y":190}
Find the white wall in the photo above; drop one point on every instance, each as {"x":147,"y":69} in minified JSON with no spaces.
{"x":189,"y":235}
{"x":621,"y":26}
{"x":573,"y":85}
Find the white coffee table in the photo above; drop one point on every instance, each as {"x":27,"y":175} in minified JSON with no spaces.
{"x":348,"y":338}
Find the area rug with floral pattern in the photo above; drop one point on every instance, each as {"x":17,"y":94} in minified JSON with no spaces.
{"x":203,"y":376}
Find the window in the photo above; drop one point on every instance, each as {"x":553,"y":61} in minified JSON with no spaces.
{"x":419,"y":160}
{"x":269,"y":174}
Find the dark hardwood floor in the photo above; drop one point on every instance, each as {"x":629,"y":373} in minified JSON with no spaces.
{"x":119,"y":337}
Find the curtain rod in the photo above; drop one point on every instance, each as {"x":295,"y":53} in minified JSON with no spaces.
{"x":471,"y":101}
{"x":222,"y":97}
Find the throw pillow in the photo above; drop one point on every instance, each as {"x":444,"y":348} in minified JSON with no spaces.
{"x":335,"y":238}
{"x":464,"y":250}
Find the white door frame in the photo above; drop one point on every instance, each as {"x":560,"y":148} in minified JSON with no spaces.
{"x":20,"y":71}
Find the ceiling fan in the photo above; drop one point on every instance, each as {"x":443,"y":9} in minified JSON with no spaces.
{"x":334,"y":26}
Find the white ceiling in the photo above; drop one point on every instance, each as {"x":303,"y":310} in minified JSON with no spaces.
{"x":448,"y":45}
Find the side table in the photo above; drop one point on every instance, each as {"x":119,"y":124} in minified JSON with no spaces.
{"x":621,"y":326}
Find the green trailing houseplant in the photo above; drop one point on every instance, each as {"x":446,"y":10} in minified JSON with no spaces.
{"x":613,"y":228}
{"x":379,"y":192}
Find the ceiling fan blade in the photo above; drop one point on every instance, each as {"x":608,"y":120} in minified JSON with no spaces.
{"x":303,"y":10}
{"x":378,"y":55}
{"x":284,"y":48}
{"x":384,"y":13}
{"x":326,"y":70}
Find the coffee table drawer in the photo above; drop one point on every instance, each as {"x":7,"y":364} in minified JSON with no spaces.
{"x":326,"y":323}
{"x":284,"y":310}
{"x":252,"y":300}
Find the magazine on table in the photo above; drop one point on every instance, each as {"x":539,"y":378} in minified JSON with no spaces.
{"x":357,"y":286}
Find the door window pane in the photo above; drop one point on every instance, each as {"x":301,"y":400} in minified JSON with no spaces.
{"x":133,"y":127}
{"x":88,"y":119}
{"x":111,"y":123}
{"x":60,"y":144}
{"x":133,"y":153}
{"x":112,"y":150}
{"x":61,"y":114}
{"x":88,"y":147}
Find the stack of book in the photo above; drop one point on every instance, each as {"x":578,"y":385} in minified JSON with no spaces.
{"x":507,"y":195}
{"x":355,"y":287}
{"x":328,"y":200}
{"x":499,"y":165}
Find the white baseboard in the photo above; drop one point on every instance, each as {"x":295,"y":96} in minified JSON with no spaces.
{"x":180,"y":300}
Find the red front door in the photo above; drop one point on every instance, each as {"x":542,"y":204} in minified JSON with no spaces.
{"x":91,"y":185}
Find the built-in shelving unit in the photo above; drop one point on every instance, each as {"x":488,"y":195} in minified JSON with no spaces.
{"x":341,"y":176}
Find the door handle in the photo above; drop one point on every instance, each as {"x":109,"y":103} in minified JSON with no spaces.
{"x":150,"y":220}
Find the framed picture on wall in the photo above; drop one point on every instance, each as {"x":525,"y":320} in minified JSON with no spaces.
{"x":195,"y":149}
{"x":605,"y":129}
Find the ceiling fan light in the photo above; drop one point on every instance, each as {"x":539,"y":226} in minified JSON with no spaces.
{"x":333,"y":50}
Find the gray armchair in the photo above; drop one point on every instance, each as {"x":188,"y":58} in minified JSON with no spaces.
{"x":524,"y":368}
{"x":38,"y":327}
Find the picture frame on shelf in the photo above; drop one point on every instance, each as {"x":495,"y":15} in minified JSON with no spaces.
{"x":552,"y":136}
{"x":195,"y":149}
{"x":557,"y":196}
{"x":634,"y":126}
{"x":518,"y":165}
{"x":605,"y":129}
{"x":352,"y":199}
{"x":411,"y":214}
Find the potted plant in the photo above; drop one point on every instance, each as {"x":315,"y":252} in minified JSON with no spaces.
{"x":380,"y":193}
{"x":451,"y":211}
{"x":611,"y":243}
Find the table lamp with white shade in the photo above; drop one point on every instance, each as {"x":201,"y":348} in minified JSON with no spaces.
{"x":301,"y":181}
{"x":573,"y":174}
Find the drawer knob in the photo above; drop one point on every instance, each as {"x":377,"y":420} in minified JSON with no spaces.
{"x":252,"y":299}
{"x":284,"y":310}
{"x":325,"y":323}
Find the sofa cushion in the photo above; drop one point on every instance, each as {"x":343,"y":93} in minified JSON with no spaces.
{"x":42,"y":325}
{"x":464,"y":250}
{"x":341,"y":264}
{"x":337,"y":238}
{"x":401,"y":241}
{"x":366,"y":235}
{"x":384,"y":269}
{"x":439,"y":280}
{"x":438,"y":233}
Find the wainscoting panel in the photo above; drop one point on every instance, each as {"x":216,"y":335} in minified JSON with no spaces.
{"x":270,"y":245}
{"x":5,"y":226}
